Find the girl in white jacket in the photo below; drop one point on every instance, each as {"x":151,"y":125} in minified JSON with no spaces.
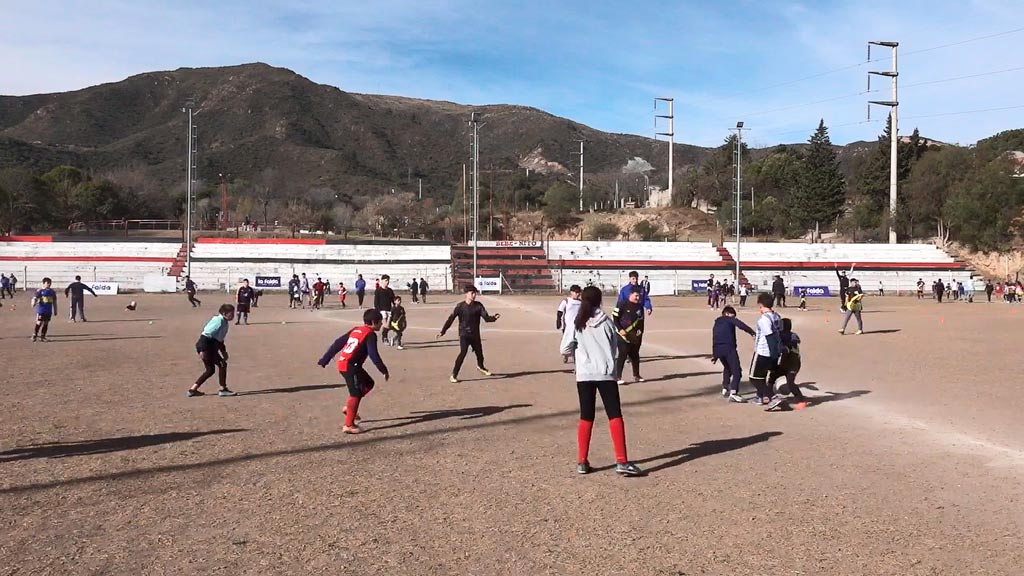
{"x":592,"y":338}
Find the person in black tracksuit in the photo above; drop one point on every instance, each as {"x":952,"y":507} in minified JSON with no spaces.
{"x":844,"y":284}
{"x":469,"y":313}
{"x":779,"y":291}
{"x":423,"y":290}
{"x":723,"y":347}
{"x":414,"y":287}
{"x":383,"y":300}
{"x":76,"y":293}
{"x":629,"y":323}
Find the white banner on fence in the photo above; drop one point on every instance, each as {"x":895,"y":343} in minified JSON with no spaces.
{"x":159,"y":283}
{"x":103,"y":288}
{"x":489,"y":284}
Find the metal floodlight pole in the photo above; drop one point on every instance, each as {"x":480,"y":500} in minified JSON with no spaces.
{"x":893,"y":105}
{"x":581,"y":141}
{"x":189,"y":192}
{"x":671,"y":117}
{"x":739,"y":187}
{"x":475,"y":122}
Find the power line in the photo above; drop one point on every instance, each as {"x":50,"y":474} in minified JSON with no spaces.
{"x":979,"y":111}
{"x":963,"y":77}
{"x":962,"y":42}
{"x":869,"y":61}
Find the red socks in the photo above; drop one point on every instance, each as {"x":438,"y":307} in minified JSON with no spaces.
{"x":583,"y":430}
{"x":618,"y":432}
{"x":351,"y":407}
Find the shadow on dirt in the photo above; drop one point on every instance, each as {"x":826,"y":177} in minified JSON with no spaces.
{"x":103,"y":445}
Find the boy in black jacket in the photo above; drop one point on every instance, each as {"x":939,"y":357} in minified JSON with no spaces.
{"x":383,"y":297}
{"x":399,"y":322}
{"x":469,"y":313}
{"x":723,"y":347}
{"x":352,"y":349}
{"x":629,"y":323}
{"x":790,"y":364}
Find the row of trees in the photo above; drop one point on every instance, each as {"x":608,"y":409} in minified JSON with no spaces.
{"x":973,"y":195}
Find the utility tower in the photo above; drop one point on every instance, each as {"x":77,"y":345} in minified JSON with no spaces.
{"x":894,"y":132}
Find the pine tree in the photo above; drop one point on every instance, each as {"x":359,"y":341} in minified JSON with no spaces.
{"x":821,"y":190}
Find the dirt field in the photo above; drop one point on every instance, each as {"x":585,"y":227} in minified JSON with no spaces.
{"x":908,"y":462}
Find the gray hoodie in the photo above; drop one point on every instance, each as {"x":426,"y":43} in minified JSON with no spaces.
{"x":595,"y":348}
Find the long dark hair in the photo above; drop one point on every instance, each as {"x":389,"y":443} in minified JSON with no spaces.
{"x":590,"y":301}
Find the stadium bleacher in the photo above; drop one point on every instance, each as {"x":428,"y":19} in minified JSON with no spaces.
{"x":220,"y":263}
{"x":124,"y":263}
{"x":897,"y":266}
{"x":670,"y":266}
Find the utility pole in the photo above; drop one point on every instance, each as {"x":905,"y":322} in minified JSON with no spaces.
{"x":893,"y":105}
{"x":421,"y":187}
{"x":189,"y":186}
{"x":671,"y":133}
{"x":465,"y":207}
{"x":581,"y":141}
{"x":474,"y":121}
{"x":739,"y":187}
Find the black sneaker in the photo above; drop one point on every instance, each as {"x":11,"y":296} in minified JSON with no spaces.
{"x":629,"y":469}
{"x":194,"y":393}
{"x":583,"y":468}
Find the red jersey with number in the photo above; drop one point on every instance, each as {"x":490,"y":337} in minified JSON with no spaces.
{"x":354,"y":352}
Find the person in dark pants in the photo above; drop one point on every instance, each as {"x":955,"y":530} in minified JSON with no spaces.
{"x":767,"y":351}
{"x":360,"y":287}
{"x":190,"y":290}
{"x":469,"y":313}
{"x":244,"y":297}
{"x":629,"y":322}
{"x":5,"y":286}
{"x":723,"y":347}
{"x":44,"y":304}
{"x":779,"y":291}
{"x":989,"y":288}
{"x":76,"y":293}
{"x":844,"y":283}
{"x":854,"y":306}
{"x":213,"y":352}
{"x":790,"y":363}
{"x":423,"y":290}
{"x":414,"y":288}
{"x":591,"y":338}
{"x":383,"y":300}
{"x":14,"y":285}
{"x":940,"y":290}
{"x":352,"y":349}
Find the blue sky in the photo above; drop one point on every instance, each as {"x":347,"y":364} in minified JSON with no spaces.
{"x":597,"y":62}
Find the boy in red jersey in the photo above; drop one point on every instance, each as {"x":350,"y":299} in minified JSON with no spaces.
{"x":352,"y":349}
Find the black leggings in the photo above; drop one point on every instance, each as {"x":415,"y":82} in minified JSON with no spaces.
{"x":609,"y":397}
{"x":193,"y":300}
{"x":360,"y":295}
{"x":631,"y":352}
{"x":465,"y":343}
{"x":212,"y":361}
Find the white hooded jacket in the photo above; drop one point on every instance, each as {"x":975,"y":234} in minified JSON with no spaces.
{"x":595,"y":347}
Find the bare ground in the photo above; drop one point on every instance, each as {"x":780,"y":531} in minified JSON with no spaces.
{"x":909,"y":462}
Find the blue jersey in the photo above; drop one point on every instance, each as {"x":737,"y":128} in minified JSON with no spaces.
{"x":46,"y":301}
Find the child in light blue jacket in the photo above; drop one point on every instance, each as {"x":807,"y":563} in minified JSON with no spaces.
{"x":592,"y":338}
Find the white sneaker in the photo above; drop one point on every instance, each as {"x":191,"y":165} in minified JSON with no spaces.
{"x":400,"y":347}
{"x":620,"y":382}
{"x":725,"y":392}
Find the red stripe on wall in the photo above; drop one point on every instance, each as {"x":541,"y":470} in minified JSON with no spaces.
{"x":26,"y":238}
{"x":307,"y":241}
{"x":85,"y":259}
{"x":634,"y":263}
{"x":846,"y":266}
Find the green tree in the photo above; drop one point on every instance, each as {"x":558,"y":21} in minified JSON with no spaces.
{"x":983,"y":211}
{"x":560,"y":201}
{"x":645,"y":230}
{"x":821,"y":190}
{"x":931,"y":181}
{"x":604,"y":231}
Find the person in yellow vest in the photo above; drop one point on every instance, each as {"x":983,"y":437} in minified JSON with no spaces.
{"x":854,"y":306}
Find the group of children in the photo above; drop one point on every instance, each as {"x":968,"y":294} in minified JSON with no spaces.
{"x":776,"y":355}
